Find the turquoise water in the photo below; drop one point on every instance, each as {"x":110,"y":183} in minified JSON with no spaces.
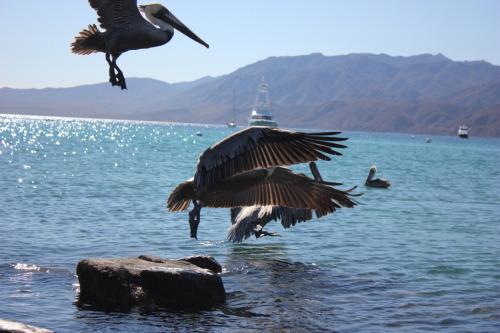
{"x":423,"y":255}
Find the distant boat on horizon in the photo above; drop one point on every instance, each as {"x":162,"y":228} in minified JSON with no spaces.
{"x":261,"y":112}
{"x":463,"y":131}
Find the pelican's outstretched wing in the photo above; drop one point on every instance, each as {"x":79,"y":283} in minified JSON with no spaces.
{"x":114,"y":13}
{"x":274,"y":187}
{"x":263,"y":147}
{"x":246,"y":219}
{"x":291,"y":216}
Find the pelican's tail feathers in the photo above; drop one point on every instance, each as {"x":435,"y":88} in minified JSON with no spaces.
{"x":178,"y":206}
{"x":89,"y":41}
{"x":180,"y":198}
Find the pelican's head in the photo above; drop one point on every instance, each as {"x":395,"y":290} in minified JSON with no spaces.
{"x":162,"y":17}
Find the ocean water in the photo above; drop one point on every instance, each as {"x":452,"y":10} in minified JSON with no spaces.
{"x":423,"y":255}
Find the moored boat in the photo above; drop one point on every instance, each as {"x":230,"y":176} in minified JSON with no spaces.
{"x":463,"y":132}
{"x":261,"y":112}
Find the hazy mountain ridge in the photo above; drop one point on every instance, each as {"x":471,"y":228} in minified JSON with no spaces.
{"x":428,"y":94}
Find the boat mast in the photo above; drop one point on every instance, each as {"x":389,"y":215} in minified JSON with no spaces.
{"x":234,"y":96}
{"x":262,"y":99}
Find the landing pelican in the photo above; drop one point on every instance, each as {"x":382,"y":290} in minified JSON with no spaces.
{"x":126,"y":30}
{"x":379,"y":182}
{"x":251,"y":220}
{"x":245,"y":169}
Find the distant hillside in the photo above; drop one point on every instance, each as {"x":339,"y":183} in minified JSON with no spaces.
{"x":97,"y":100}
{"x":424,"y":94}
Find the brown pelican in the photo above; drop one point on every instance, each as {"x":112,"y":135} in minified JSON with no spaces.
{"x":251,"y":220}
{"x":126,"y":30}
{"x":379,"y":182}
{"x":276,"y":186}
{"x":244,"y":170}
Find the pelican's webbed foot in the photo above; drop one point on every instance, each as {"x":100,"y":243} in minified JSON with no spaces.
{"x":121,"y":78}
{"x":259,"y":232}
{"x":112,"y":77}
{"x":121,"y":81}
{"x":116,"y":79}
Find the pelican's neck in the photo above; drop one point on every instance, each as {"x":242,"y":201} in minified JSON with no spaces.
{"x":371,"y":174}
{"x":164,"y":33}
{"x":315,"y":171}
{"x":162,"y":25}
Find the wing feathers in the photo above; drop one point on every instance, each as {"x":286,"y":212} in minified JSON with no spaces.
{"x":246,"y":170}
{"x":281,"y":188}
{"x":114,"y":13}
{"x":263,"y":147}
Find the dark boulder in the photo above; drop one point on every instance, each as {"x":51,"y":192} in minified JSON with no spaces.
{"x":202,"y":261}
{"x":151,"y":283}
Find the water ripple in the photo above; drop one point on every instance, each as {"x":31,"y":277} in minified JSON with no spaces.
{"x":420,"y":256}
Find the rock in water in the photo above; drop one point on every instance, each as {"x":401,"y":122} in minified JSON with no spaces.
{"x":7,"y":326}
{"x":151,"y":283}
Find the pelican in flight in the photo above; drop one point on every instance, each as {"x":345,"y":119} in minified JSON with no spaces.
{"x":251,"y":220}
{"x":379,"y":182}
{"x":126,"y":30}
{"x":247,"y":221}
{"x":246,"y":169}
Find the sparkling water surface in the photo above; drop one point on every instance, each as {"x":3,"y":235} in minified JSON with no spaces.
{"x":423,"y":255}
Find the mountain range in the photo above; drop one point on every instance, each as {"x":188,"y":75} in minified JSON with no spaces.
{"x":423,"y":94}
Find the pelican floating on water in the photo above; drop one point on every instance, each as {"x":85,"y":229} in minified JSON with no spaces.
{"x":379,"y":182}
{"x":127,"y":30}
{"x":251,"y":220}
{"x":245,"y":169}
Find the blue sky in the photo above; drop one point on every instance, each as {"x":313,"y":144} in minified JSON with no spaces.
{"x":36,"y":35}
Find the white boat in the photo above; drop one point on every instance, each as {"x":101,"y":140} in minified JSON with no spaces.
{"x":463,"y":131}
{"x":231,"y":124}
{"x":261,"y":112}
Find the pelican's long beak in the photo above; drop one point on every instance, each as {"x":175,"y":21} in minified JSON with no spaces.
{"x":194,"y":229}
{"x":194,"y":219}
{"x":166,"y":16}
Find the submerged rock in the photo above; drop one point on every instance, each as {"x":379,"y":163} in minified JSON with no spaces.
{"x":14,"y":327}
{"x":151,"y":283}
